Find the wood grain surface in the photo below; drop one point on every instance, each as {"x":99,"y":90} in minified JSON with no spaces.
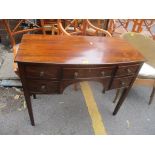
{"x":76,"y":50}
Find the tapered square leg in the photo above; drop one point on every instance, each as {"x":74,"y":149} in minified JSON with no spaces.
{"x":121,"y":100}
{"x":29,"y":107}
{"x":116,"y":96}
{"x":152,"y":95}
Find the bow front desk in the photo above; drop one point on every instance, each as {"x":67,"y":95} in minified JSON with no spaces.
{"x":47,"y":64}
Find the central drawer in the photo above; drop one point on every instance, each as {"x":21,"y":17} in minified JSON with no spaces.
{"x":43,"y":86}
{"x":81,"y":73}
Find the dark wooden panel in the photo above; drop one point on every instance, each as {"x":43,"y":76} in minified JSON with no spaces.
{"x":121,"y":82}
{"x":42,"y":71}
{"x":127,"y":70}
{"x":78,"y":73}
{"x":43,"y":86}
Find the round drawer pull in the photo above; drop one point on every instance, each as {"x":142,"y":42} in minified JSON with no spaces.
{"x":43,"y":87}
{"x":122,"y":83}
{"x":103,"y":73}
{"x":75,"y":75}
{"x":42,"y":74}
{"x":129,"y":71}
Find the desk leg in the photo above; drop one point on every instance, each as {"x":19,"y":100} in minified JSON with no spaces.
{"x":26,"y":92}
{"x":29,"y":107}
{"x":34,"y":96}
{"x":121,"y":100}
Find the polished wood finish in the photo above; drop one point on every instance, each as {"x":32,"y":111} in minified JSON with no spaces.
{"x":48,"y":64}
{"x":76,"y":50}
{"x":81,"y":73}
{"x":43,"y":86}
{"x":42,"y":72}
{"x":82,"y":27}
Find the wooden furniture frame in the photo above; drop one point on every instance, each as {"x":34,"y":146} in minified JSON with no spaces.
{"x":81,"y":27}
{"x":136,"y":24}
{"x":48,"y":64}
{"x":49,"y":26}
{"x":16,"y":31}
{"x":149,"y":25}
{"x":143,"y":80}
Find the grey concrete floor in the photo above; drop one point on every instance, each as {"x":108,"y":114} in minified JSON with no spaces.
{"x":67,"y":113}
{"x":135,"y":117}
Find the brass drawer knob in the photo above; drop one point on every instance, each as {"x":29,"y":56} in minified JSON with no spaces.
{"x":129,"y":71}
{"x":103,"y":73}
{"x":43,"y":87}
{"x":122,"y":83}
{"x":42,"y":74}
{"x":75,"y":75}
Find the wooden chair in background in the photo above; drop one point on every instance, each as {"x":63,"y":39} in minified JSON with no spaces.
{"x":106,"y":24}
{"x":49,"y":26}
{"x":132,"y":25}
{"x":23,"y":26}
{"x":81,"y":27}
{"x":150,"y":26}
{"x":146,"y":46}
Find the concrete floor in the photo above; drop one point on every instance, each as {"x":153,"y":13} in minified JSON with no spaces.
{"x":67,"y":113}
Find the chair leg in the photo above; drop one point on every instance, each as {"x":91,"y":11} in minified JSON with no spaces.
{"x":34,"y":96}
{"x":116,"y":96}
{"x":152,"y":95}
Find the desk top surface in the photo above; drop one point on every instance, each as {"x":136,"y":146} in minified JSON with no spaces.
{"x":76,"y":50}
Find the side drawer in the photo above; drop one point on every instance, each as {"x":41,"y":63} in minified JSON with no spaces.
{"x":43,"y":86}
{"x":127,"y":70}
{"x":121,"y":82}
{"x":81,"y":73}
{"x":42,"y":71}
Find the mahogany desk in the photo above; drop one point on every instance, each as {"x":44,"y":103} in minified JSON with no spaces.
{"x":47,"y":64}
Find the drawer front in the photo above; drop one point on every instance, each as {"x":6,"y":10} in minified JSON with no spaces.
{"x":127,"y":70}
{"x":42,"y":72}
{"x":121,"y":82}
{"x":79,"y":73}
{"x":43,"y":86}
